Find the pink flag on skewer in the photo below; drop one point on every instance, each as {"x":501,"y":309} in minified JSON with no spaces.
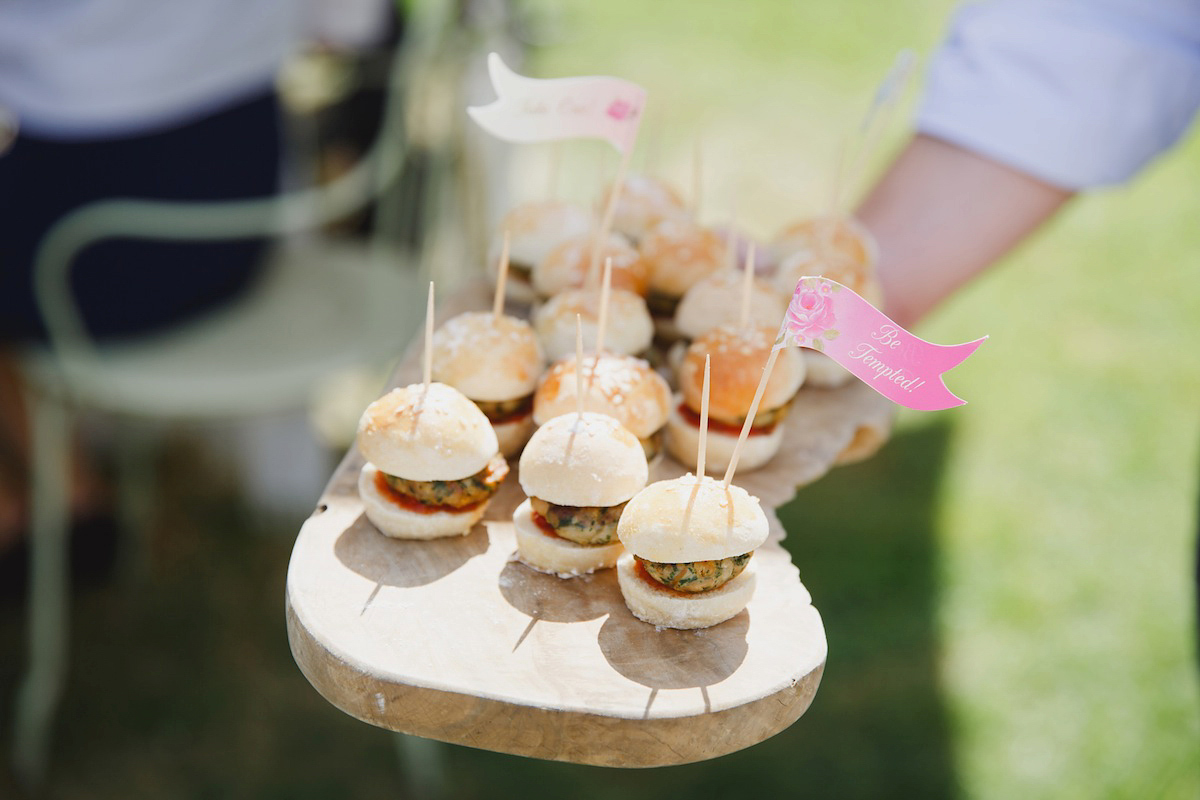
{"x":544,"y":110}
{"x":826,"y":316}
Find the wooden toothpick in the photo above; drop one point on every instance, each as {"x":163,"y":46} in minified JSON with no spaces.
{"x":605,"y":293}
{"x":501,"y":279}
{"x":702,"y":446}
{"x":610,"y":209}
{"x":747,"y":287}
{"x":429,"y":338}
{"x":875,"y":121}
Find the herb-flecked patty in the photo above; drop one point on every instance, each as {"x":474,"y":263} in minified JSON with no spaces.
{"x":456,"y":494}
{"x":696,"y":576}
{"x":580,"y":524}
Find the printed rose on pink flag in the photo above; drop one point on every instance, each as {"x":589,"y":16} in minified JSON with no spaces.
{"x":827,"y":316}
{"x":544,"y":110}
{"x":810,"y":316}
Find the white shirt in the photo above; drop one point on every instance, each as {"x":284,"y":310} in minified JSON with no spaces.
{"x":1078,"y":93}
{"x":73,"y":69}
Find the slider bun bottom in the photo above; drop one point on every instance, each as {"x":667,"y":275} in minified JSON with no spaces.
{"x":400,"y":523}
{"x":666,"y":609}
{"x":675,"y":355}
{"x":683,"y":439}
{"x":822,"y":371}
{"x":513,"y":435}
{"x":866,"y":442}
{"x":558,"y":556}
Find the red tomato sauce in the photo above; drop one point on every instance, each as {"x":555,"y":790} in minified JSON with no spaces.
{"x":722,"y":427}
{"x":545,"y":527}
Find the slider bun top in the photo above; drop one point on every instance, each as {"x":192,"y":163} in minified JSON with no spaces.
{"x":488,"y":359}
{"x":567,"y":264}
{"x":583,"y":459}
{"x":681,"y":253}
{"x":806,"y":263}
{"x":534,"y":229}
{"x":643,"y":203}
{"x":692,"y":519}
{"x":717,"y":299}
{"x":630,"y":326}
{"x":426,"y":436}
{"x":830,"y":241}
{"x":623,"y":387}
{"x":738,"y":356}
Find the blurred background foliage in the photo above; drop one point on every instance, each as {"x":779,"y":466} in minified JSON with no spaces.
{"x":1007,"y":587}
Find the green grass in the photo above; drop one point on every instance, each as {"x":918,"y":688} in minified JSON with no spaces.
{"x":1070,"y":531}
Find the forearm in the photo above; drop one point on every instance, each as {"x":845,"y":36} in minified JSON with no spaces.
{"x":941,"y":215}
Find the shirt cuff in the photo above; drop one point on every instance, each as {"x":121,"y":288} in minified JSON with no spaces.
{"x":1076,"y":94}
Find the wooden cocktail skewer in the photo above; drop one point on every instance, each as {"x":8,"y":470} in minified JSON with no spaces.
{"x":882,"y":106}
{"x":873,"y":123}
{"x":610,"y":209}
{"x":758,"y":393}
{"x":501,"y":279}
{"x":697,"y":179}
{"x":702,"y":446}
{"x":592,"y":276}
{"x":601,"y":324}
{"x":429,"y":339}
{"x":747,"y":287}
{"x":605,"y":293}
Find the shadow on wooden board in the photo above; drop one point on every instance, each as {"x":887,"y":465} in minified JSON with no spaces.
{"x":863,"y":540}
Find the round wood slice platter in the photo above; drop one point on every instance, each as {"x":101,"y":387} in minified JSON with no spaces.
{"x":455,"y":640}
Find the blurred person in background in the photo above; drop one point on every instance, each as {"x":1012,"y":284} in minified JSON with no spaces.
{"x":140,"y":99}
{"x":1027,"y":103}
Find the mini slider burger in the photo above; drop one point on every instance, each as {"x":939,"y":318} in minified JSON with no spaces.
{"x":567,"y":265}
{"x":535,"y":229}
{"x":579,"y":470}
{"x":738,"y":357}
{"x":630,"y":328}
{"x":432,"y":462}
{"x":679,"y":254}
{"x":853,"y":268}
{"x":642,"y":204}
{"x":712,"y":302}
{"x":689,"y":542}
{"x":623,"y":387}
{"x":841,"y":250}
{"x":826,"y":240}
{"x":495,"y":360}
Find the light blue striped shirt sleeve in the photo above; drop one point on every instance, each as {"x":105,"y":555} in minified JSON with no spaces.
{"x":1078,"y":93}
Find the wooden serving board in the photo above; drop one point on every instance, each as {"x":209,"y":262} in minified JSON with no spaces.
{"x":456,"y":641}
